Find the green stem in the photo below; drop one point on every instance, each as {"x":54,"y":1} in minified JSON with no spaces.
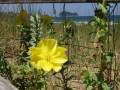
{"x":64,"y":80}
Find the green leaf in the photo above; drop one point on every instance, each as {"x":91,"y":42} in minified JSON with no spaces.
{"x":104,"y":3}
{"x":111,"y":5}
{"x":89,"y":87}
{"x":93,"y":22}
{"x":12,"y":66}
{"x":85,"y":74}
{"x":105,"y":86}
{"x":93,"y":76}
{"x":104,"y":10}
{"x":108,"y":59}
{"x":97,"y":19}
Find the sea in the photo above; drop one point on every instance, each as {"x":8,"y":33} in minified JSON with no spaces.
{"x":84,"y":19}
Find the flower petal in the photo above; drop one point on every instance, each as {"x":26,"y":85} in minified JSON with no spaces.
{"x":42,"y":46}
{"x":35,"y":51}
{"x":38,"y":52}
{"x":23,"y":14}
{"x":57,"y":68}
{"x":60,"y":58}
{"x":60,"y":52}
{"x":34,"y":61}
{"x":49,"y":45}
{"x":18,"y":21}
{"x":61,"y":49}
{"x":46,"y":66}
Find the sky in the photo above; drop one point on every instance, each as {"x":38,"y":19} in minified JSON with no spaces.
{"x":83,"y":9}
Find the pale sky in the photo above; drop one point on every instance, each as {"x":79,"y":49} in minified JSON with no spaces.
{"x":83,"y":9}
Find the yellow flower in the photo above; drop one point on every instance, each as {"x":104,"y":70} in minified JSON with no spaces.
{"x":20,"y":18}
{"x":84,"y":70}
{"x":47,"y":55}
{"x":46,"y":19}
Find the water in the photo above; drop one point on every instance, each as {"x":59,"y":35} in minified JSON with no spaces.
{"x":83,"y":19}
